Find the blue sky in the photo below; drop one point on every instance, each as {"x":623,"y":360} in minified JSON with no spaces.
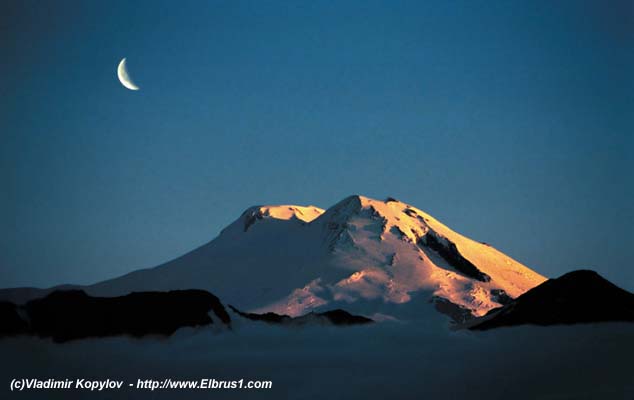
{"x":511,"y":122}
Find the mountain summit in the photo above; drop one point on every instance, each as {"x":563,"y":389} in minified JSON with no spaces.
{"x":384,"y":259}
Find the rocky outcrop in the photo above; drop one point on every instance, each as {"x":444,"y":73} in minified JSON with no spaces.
{"x":450,"y":253}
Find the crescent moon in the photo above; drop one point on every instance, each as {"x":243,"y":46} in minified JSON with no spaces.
{"x":124,"y":78}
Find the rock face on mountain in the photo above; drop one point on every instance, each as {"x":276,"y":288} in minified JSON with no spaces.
{"x":381,"y":259}
{"x":577,"y":297}
{"x":69,"y":315}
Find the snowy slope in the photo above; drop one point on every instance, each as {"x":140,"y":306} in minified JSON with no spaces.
{"x":384,"y":259}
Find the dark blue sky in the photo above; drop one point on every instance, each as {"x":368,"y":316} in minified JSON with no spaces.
{"x":511,"y":122}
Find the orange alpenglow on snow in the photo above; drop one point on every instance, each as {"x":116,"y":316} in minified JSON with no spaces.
{"x":394,"y":250}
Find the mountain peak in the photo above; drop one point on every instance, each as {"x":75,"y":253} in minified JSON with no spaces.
{"x":303,"y":214}
{"x":285,"y":212}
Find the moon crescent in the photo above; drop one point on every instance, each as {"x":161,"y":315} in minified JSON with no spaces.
{"x":124,"y":78}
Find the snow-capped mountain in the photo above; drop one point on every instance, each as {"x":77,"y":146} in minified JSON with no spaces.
{"x":382,"y":259}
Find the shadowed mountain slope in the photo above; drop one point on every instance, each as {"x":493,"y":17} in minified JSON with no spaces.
{"x":581,"y":296}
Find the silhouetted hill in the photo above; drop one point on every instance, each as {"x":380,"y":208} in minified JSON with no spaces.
{"x":577,"y":297}
{"x":334,"y":317}
{"x":10,"y":321}
{"x":68,"y":315}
